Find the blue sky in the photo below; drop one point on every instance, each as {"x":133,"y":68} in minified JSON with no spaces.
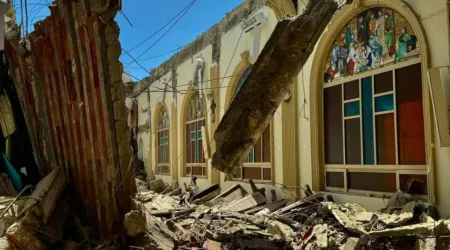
{"x":148,"y":16}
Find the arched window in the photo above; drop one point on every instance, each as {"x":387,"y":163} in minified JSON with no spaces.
{"x":258,"y":164}
{"x":195,"y":120}
{"x":162,"y":166}
{"x":373,"y":119}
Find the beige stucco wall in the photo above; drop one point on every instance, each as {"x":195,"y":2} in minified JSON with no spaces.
{"x":143,"y":117}
{"x":229,"y":43}
{"x":185,"y":73}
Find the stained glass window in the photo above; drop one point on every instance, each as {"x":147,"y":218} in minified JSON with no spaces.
{"x":194,"y":145}
{"x":242,"y":79}
{"x":163,"y":156}
{"x":257,"y":166}
{"x":375,"y":38}
{"x":373,"y":124}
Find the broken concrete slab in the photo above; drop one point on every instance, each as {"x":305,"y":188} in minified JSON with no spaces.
{"x":266,"y":86}
{"x":212,"y":245}
{"x":351,"y":244}
{"x":23,"y":235}
{"x":163,"y":203}
{"x":364,"y":216}
{"x":421,"y":229}
{"x":47,"y":194}
{"x":406,"y":214}
{"x":211,"y":190}
{"x":157,"y":185}
{"x":161,"y":240}
{"x":345,"y":214}
{"x":268,"y":208}
{"x":398,"y":199}
{"x":246,"y":202}
{"x":234,"y":192}
{"x":306,"y":201}
{"x":5,"y":244}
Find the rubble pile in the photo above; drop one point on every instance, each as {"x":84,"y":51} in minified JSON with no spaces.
{"x":235,"y":219}
{"x":44,"y":219}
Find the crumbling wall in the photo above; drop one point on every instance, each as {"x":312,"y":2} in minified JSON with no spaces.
{"x":69,"y":80}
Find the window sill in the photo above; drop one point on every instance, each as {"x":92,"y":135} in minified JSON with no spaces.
{"x":371,"y":194}
{"x":198,"y":177}
{"x":245,"y":181}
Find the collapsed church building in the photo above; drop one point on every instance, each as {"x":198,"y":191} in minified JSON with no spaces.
{"x":289,"y":122}
{"x":366,"y":115}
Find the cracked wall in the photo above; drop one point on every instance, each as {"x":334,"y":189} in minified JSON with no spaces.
{"x":69,"y":80}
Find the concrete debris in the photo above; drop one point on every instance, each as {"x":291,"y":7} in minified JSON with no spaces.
{"x":364,"y":216}
{"x":134,"y":223}
{"x":351,"y":244}
{"x":233,"y":193}
{"x":42,"y":220}
{"x":252,"y":222}
{"x":47,"y":193}
{"x":157,"y":185}
{"x":5,"y":244}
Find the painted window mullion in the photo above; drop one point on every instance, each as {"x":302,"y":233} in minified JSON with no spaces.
{"x":196,"y":144}
{"x":343,"y":124}
{"x":394,"y":90}
{"x":360,"y":124}
{"x":374,"y":128}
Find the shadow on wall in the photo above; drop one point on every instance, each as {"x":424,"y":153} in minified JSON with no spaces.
{"x":18,"y":161}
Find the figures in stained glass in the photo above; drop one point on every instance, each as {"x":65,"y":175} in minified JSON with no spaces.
{"x":376,"y":37}
{"x":362,"y":29}
{"x":196,"y":107}
{"x":389,"y":34}
{"x":353,"y":59}
{"x":163,"y":121}
{"x":372,"y":24}
{"x":379,"y":31}
{"x":342,"y":60}
{"x":406,"y":43}
{"x":242,"y":79}
{"x":336,"y":54}
{"x":376,"y":47}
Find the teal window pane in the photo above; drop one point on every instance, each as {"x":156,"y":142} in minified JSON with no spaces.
{"x":193,"y":136}
{"x":199,"y":134}
{"x":367,"y":119}
{"x":384,"y":103}
{"x":351,"y":108}
{"x":251,"y":155}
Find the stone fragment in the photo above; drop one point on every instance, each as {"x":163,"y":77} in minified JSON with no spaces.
{"x":134,"y":223}
{"x":364,"y":216}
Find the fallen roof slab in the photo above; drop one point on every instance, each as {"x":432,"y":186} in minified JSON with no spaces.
{"x":282,"y":58}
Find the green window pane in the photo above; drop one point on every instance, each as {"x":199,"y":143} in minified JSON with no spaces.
{"x":384,"y":103}
{"x":367,"y":119}
{"x":351,"y":108}
{"x":251,"y":155}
